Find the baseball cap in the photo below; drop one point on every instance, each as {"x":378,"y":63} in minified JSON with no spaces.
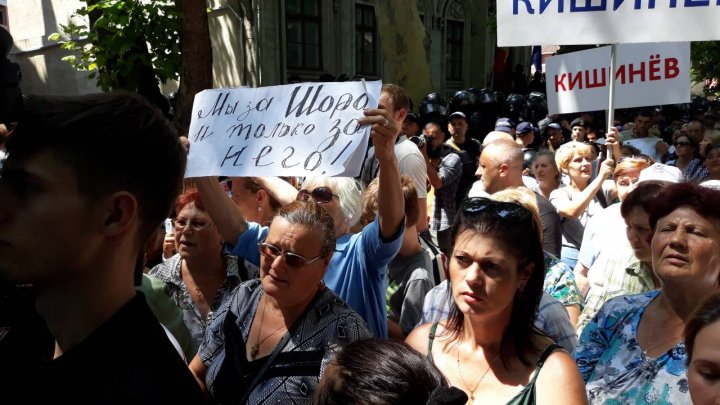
{"x":523,"y":128}
{"x":504,"y":125}
{"x":554,"y":125}
{"x":458,"y":114}
{"x":577,"y":122}
{"x":661,"y":172}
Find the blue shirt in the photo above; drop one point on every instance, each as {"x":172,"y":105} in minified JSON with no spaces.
{"x":614,"y":367}
{"x":357,"y":271}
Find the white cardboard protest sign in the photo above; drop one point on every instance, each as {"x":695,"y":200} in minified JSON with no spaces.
{"x":646,"y":74}
{"x":305,"y":129}
{"x":567,"y":22}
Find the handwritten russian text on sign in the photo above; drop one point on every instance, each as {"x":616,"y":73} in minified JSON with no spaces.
{"x":306,"y":129}
{"x":646,"y":74}
{"x":566,"y":22}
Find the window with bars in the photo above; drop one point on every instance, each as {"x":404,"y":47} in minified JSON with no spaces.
{"x":454,"y":50}
{"x":365,"y":40}
{"x":303,"y":34}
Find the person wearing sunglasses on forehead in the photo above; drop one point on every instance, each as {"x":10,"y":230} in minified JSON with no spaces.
{"x":358,"y":267}
{"x":271,"y":340}
{"x":687,"y":160}
{"x":488,"y":346}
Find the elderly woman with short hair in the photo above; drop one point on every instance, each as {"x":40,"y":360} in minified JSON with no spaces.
{"x":632,"y":351}
{"x":273,"y":338}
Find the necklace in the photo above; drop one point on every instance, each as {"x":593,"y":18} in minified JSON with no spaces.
{"x":651,"y":334}
{"x":255,"y":348}
{"x":472,"y":391}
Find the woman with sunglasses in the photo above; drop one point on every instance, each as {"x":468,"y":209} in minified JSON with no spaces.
{"x":488,"y":346}
{"x":273,"y":337}
{"x":686,"y":150}
{"x":359,"y":265}
{"x":632,"y":351}
{"x":200,"y":276}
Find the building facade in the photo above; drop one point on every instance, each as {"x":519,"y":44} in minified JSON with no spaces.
{"x":424,"y":45}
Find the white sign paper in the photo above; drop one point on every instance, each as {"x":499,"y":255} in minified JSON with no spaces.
{"x":568,"y":22}
{"x":646,"y":74}
{"x":305,"y":129}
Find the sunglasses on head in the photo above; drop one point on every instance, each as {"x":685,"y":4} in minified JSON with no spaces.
{"x":291,"y":259}
{"x":506,"y":210}
{"x":321,"y":195}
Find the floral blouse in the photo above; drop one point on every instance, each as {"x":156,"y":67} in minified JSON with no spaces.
{"x":169,"y":272}
{"x":614,"y":367}
{"x":560,"y":282}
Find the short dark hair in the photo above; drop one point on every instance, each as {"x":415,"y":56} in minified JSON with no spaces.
{"x":644,"y":112}
{"x":642,"y":196}
{"x":314,"y":217}
{"x":378,"y":371}
{"x":703,"y":200}
{"x":527,"y":248}
{"x":398,"y":95}
{"x":113,"y":141}
{"x":707,"y":313}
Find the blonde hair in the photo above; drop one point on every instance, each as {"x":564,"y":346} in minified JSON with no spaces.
{"x":525,"y":197}
{"x":566,"y":152}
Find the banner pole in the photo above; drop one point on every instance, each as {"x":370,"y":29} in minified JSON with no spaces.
{"x":611,"y":108}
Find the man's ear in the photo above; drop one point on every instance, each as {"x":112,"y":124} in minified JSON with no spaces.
{"x":401,"y":114}
{"x":120,"y":212}
{"x":503,"y":169}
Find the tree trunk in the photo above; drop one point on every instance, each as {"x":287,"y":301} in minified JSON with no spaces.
{"x":196,"y":74}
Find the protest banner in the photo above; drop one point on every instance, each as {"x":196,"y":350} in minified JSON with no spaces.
{"x":305,"y":129}
{"x":645,"y":74}
{"x":574,"y":22}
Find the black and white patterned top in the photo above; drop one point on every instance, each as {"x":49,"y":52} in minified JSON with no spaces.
{"x":169,"y":272}
{"x":327,"y":325}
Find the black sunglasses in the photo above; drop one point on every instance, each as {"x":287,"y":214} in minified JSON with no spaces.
{"x":291,"y":259}
{"x":506,"y":210}
{"x":681,"y":143}
{"x":322,"y":195}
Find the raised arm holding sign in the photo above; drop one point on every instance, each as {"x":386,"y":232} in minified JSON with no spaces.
{"x":358,"y":267}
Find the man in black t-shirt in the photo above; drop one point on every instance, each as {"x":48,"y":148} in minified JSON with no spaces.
{"x":86,"y":182}
{"x":467,"y":148}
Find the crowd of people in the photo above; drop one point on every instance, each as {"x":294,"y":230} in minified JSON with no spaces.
{"x":487,"y":253}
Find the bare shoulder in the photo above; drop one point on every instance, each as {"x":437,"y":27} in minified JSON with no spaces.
{"x":560,"y":366}
{"x":418,"y":338}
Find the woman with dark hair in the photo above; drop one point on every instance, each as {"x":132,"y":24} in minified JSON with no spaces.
{"x":378,"y":371}
{"x":712,"y":161}
{"x":687,"y":160}
{"x":702,"y":347}
{"x":632,"y":351}
{"x":274,"y":335}
{"x":200,"y":276}
{"x":496,"y":277}
{"x":255,"y":202}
